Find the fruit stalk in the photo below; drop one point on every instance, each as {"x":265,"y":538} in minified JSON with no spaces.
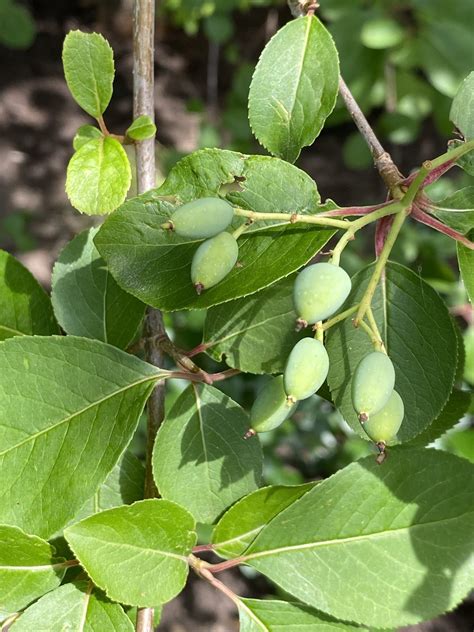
{"x":293,"y":218}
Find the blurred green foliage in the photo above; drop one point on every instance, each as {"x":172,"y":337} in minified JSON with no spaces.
{"x":17,"y":28}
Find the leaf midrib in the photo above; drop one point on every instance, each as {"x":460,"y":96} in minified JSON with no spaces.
{"x":133,"y":547}
{"x":356,"y":538}
{"x":98,"y":402}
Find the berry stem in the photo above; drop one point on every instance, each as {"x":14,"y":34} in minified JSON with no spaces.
{"x":293,"y":218}
{"x":375,"y":330}
{"x":340,"y":317}
{"x":373,"y":338}
{"x":241,"y":229}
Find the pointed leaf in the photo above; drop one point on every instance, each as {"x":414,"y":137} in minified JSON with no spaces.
{"x":462,"y":110}
{"x":25,"y":307}
{"x":420,"y":339}
{"x":461,"y":217}
{"x":98,"y":176}
{"x":385,"y":546}
{"x":75,"y":607}
{"x":123,"y":486}
{"x":86,"y":299}
{"x":466,"y":266}
{"x":158,"y":272}
{"x":201,"y":459}
{"x":141,"y":128}
{"x":281,"y":616}
{"x":67,"y":405}
{"x":28,"y":569}
{"x":294,"y":87}
{"x":149,"y":541}
{"x":254,"y":334}
{"x":241,"y":524}
{"x":88,"y":64}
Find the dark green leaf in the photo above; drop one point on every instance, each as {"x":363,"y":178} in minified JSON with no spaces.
{"x":28,"y":569}
{"x":17,"y":27}
{"x":98,"y":176}
{"x":421,"y":342}
{"x":88,"y":64}
{"x":68,"y":408}
{"x":454,"y":409}
{"x":154,"y":265}
{"x":86,"y":299}
{"x":288,"y":107}
{"x":241,"y":524}
{"x":201,"y":459}
{"x":457,"y":210}
{"x":385,"y":546}
{"x":149,"y":541}
{"x":25,"y":307}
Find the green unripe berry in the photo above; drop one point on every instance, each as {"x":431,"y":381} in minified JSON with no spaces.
{"x":372,"y":384}
{"x":306,"y":369}
{"x":213,"y":260}
{"x":384,"y":425}
{"x":201,"y":219}
{"x":319,"y":291}
{"x":271,"y":407}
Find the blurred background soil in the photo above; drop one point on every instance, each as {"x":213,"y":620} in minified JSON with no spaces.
{"x":38,"y":119}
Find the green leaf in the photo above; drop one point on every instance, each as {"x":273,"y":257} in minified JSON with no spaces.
{"x":25,"y":307}
{"x":149,"y":541}
{"x":68,"y":408}
{"x":385,"y":546}
{"x":17,"y":27}
{"x":454,"y":409}
{"x":462,"y":110}
{"x":84,"y":134}
{"x":241,"y":524}
{"x":86,"y":298}
{"x":288,"y":107}
{"x":98,"y":176}
{"x":123,"y":486}
{"x":421,"y":342}
{"x":457,"y":210}
{"x":281,"y":616}
{"x":255,"y":334}
{"x":201,"y":459}
{"x":28,"y":569}
{"x":466,"y":266}
{"x":141,"y":128}
{"x":89,"y":69}
{"x":381,"y":33}
{"x":75,"y":607}
{"x":154,"y":265}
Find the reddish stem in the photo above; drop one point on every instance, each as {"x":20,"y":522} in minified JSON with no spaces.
{"x":207,"y":378}
{"x":381,"y":231}
{"x":431,"y":177}
{"x":354,"y":210}
{"x":199,"y":349}
{"x":202,"y":548}
{"x":223,"y":566}
{"x":428,"y":220}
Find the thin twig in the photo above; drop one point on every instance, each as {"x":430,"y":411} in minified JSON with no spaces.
{"x":143,"y":103}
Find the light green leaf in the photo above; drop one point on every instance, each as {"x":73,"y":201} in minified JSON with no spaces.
{"x":123,"y":486}
{"x":385,"y":546}
{"x":241,"y":524}
{"x":141,"y":128}
{"x":462,"y":110}
{"x":381,"y":33}
{"x":84,"y":134}
{"x":281,"y":616}
{"x":420,"y":339}
{"x":149,"y":541}
{"x":457,"y":210}
{"x":75,"y":607}
{"x":201,"y":459}
{"x":466,"y":265}
{"x":25,"y":307}
{"x":256,"y":333}
{"x":89,"y":69}
{"x":98,"y":176}
{"x":68,"y":408}
{"x":86,"y":298}
{"x":287,"y":108}
{"x":28,"y":569}
{"x":154,"y":265}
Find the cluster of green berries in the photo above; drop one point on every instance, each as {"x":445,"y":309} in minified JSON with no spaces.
{"x":207,"y":218}
{"x":379,"y":407}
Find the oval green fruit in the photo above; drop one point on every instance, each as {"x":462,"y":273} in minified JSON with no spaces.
{"x":306,"y":369}
{"x":271,"y":408}
{"x":213,"y":260}
{"x":319,"y":291}
{"x":202,"y":218}
{"x":372,"y":384}
{"x":384,"y":425}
